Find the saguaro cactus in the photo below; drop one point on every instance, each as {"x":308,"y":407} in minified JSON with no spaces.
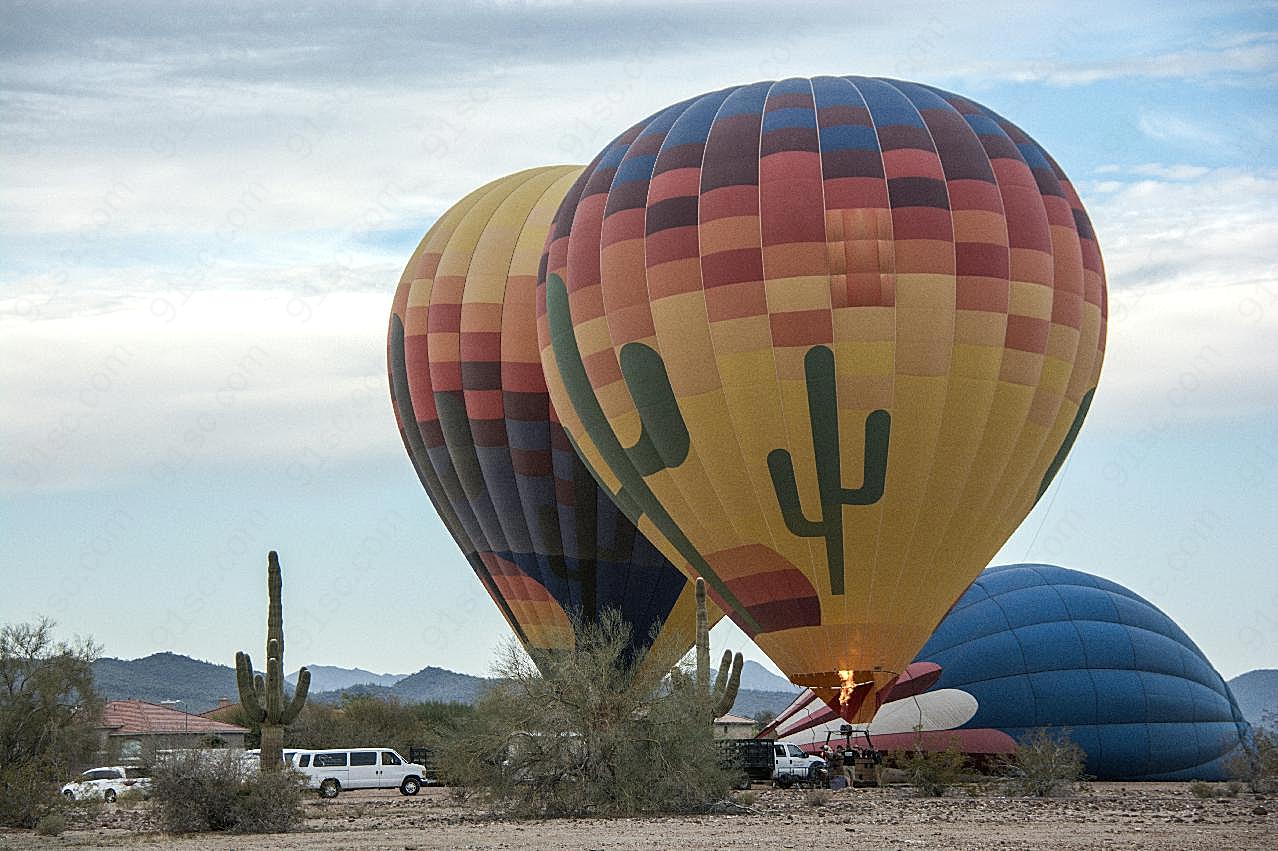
{"x":823,"y":414}
{"x":726,"y":684}
{"x":263,"y":697}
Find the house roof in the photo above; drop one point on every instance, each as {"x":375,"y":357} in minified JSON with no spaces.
{"x":733,"y":719}
{"x":138,"y":716}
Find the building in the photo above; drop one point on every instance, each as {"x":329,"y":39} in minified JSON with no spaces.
{"x":133,"y":730}
{"x":734,"y":727}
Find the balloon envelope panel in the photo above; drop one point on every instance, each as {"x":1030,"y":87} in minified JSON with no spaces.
{"x":472,"y":405}
{"x":828,"y":340}
{"x":1045,"y":646}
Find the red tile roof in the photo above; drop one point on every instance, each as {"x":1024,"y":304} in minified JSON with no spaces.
{"x":138,"y":716}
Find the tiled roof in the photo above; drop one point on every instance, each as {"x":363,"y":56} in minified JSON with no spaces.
{"x":138,"y":716}
{"x":733,"y":719}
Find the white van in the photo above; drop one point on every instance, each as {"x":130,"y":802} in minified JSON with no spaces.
{"x":330,"y":771}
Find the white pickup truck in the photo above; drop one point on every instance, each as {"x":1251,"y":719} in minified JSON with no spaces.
{"x":763,"y":760}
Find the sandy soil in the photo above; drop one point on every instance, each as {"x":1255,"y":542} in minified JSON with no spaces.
{"x":1103,"y":815}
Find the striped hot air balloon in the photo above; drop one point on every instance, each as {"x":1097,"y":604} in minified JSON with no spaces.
{"x":473,"y":410}
{"x":827,"y":341}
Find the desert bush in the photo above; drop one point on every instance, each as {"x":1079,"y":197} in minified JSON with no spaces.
{"x":28,"y":792}
{"x":197,"y":792}
{"x":587,"y":731}
{"x":1233,"y":787}
{"x":269,"y":802}
{"x":746,"y":798}
{"x":1201,"y":789}
{"x":48,"y":710}
{"x":367,"y":718}
{"x":130,"y":798}
{"x":51,"y":824}
{"x":816,"y":797}
{"x":1045,"y":763}
{"x":932,"y":773}
{"x":1257,"y":766}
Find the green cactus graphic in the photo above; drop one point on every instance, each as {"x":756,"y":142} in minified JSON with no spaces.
{"x":823,"y":414}
{"x":263,"y":697}
{"x":663,"y":442}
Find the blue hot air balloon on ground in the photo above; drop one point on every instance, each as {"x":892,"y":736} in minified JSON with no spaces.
{"x":1044,"y":646}
{"x":1033,"y":646}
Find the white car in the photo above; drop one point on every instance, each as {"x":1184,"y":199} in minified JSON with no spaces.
{"x":332,"y":770}
{"x":107,"y":783}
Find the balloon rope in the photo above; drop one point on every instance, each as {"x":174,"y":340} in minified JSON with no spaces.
{"x":1060,"y":479}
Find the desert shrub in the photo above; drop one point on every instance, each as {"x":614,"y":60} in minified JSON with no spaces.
{"x":213,"y":791}
{"x":1045,"y":763}
{"x":746,"y":798}
{"x":1257,"y":766}
{"x":48,"y":710}
{"x":269,"y":802}
{"x":1233,"y":787}
{"x":130,"y":798}
{"x":368,"y":718}
{"x":1201,"y":789}
{"x":932,"y":773}
{"x":816,"y":797}
{"x":28,"y":791}
{"x":51,"y":824}
{"x":588,"y":731}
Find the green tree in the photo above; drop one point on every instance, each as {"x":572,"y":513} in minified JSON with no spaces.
{"x":586,"y":731}
{"x":372,"y":720}
{"x":1046,"y":763}
{"x":48,"y":713}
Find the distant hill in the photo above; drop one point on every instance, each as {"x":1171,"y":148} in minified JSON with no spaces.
{"x":1257,"y":693}
{"x":751,"y":702}
{"x":429,"y":683}
{"x":166,"y":676}
{"x":758,"y":678}
{"x":332,"y":678}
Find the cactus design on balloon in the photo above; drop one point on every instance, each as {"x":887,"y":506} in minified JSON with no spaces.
{"x":663,"y":441}
{"x":823,"y":414}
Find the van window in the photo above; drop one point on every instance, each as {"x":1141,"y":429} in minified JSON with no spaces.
{"x":364,"y":758}
{"x":794,"y":750}
{"x":780,"y":750}
{"x":389,"y":758}
{"x":329,"y":760}
{"x":304,"y":760}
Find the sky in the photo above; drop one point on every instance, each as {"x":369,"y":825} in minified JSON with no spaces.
{"x":204,"y":214}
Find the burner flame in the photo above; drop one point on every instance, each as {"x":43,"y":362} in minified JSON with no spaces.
{"x":848,"y":680}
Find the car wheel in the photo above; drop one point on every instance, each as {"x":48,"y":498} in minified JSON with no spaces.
{"x":69,"y":795}
{"x":109,"y":796}
{"x":410,"y":786}
{"x":330,"y":788}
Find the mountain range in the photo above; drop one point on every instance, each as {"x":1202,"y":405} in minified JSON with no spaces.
{"x":1257,"y":694}
{"x":196,"y":686}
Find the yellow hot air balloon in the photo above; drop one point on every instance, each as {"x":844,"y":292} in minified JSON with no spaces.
{"x":826,"y":341}
{"x":468,"y":392}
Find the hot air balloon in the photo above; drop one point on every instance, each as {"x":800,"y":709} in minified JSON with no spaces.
{"x":1036,"y":645}
{"x":473,"y":411}
{"x":827,"y":341}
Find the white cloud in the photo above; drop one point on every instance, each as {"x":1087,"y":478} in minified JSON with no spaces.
{"x":234,"y":378}
{"x":1191,"y":257}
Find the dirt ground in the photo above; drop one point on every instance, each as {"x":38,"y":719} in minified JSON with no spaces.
{"x":1102,"y":815}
